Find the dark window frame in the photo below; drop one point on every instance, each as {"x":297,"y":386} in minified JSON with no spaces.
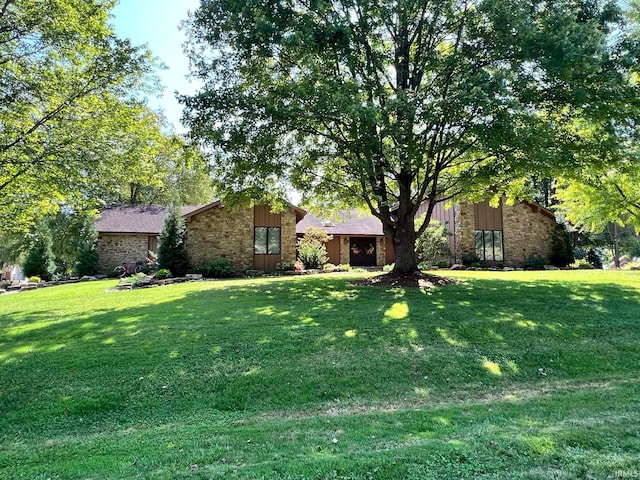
{"x":267,"y":246}
{"x":486,"y":249}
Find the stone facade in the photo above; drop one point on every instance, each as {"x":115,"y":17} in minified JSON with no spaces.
{"x":527,"y":233}
{"x":464,"y":230}
{"x":220,"y":232}
{"x":118,"y":249}
{"x":288,"y":236}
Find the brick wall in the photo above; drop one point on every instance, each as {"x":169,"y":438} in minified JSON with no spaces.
{"x":221,"y":232}
{"x":527,"y":233}
{"x":288,"y":236}
{"x":464,"y":230}
{"x":114,"y":250}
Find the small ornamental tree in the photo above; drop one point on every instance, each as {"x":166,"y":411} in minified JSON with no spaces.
{"x":40,"y":259}
{"x":311,"y":250}
{"x":87,"y":249}
{"x":561,"y":247}
{"x":172,"y":249}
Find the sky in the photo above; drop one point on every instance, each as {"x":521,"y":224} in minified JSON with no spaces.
{"x":155,"y":23}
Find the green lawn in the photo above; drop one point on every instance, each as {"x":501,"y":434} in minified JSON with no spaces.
{"x":508,"y":375}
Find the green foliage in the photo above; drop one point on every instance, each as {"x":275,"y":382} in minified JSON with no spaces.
{"x":312,"y":254}
{"x":480,"y":94}
{"x":311,"y":250}
{"x":594,"y":259}
{"x":162,"y":274}
{"x":172,"y":249}
{"x":87,"y":249}
{"x":433,"y":245}
{"x":34,"y":279}
{"x":40,"y":259}
{"x":536,"y":262}
{"x":315,"y":235}
{"x":285,"y":266}
{"x":561,"y":247}
{"x":217,"y":268}
{"x":469,"y":259}
{"x":75,"y":129}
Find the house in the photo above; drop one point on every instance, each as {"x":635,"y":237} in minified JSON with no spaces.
{"x":254,"y":238}
{"x":249,"y":237}
{"x":507,"y":234}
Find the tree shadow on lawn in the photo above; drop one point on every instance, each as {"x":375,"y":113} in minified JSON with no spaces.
{"x":310,"y":345}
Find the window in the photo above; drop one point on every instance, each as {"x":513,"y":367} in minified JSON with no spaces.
{"x":266,"y":241}
{"x":489,"y":245}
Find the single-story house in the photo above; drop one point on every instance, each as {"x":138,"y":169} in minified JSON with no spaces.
{"x":256,"y":238}
{"x":249,"y":237}
{"x":507,"y":234}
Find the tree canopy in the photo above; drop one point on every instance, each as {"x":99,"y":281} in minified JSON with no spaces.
{"x":74,"y":126}
{"x":388,"y":104}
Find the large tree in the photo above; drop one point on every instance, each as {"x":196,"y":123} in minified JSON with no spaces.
{"x":67,"y":95}
{"x":388,"y":104}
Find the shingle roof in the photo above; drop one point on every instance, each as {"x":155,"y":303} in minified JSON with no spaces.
{"x":142,"y":219}
{"x":353,"y":222}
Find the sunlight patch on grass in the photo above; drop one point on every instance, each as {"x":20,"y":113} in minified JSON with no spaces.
{"x":492,"y":367}
{"x":447,"y":337}
{"x":397,"y":311}
{"x":308,"y":321}
{"x":252,"y":371}
{"x":527,"y":324}
{"x":351,"y":333}
{"x":540,"y":445}
{"x":421,"y":392}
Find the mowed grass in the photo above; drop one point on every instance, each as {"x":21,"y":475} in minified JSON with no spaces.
{"x":508,"y":375}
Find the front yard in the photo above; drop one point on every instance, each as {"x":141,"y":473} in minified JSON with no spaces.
{"x":509,"y":375}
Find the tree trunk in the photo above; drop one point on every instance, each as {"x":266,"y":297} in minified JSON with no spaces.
{"x":404,"y":244}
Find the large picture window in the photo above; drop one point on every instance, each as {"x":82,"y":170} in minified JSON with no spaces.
{"x":266,"y":241}
{"x":489,"y":245}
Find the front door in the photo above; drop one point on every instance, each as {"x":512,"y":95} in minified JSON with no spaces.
{"x":362,"y":252}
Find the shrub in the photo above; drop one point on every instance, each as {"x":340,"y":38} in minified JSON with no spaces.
{"x":469,"y":259}
{"x":344,"y":267}
{"x":536,"y":263}
{"x":594,"y":259}
{"x":442,"y":264}
{"x":162,"y":274}
{"x":40,"y":259}
{"x":172,"y":250}
{"x":285,"y":266}
{"x":312,"y":254}
{"x":34,"y":279}
{"x":561,"y":247}
{"x":87,"y":249}
{"x":433,"y":245}
{"x":218,"y":268}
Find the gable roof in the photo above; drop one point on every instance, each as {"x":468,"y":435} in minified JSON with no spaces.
{"x":140,"y":219}
{"x":353,"y":222}
{"x":300,"y":213}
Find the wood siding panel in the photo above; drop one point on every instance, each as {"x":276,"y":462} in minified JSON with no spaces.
{"x":266,"y":262}
{"x":390,"y":255}
{"x":487,"y":217}
{"x":264,"y":218}
{"x":333,"y":250}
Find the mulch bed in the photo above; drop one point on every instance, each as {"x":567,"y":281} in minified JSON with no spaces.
{"x":410,"y":280}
